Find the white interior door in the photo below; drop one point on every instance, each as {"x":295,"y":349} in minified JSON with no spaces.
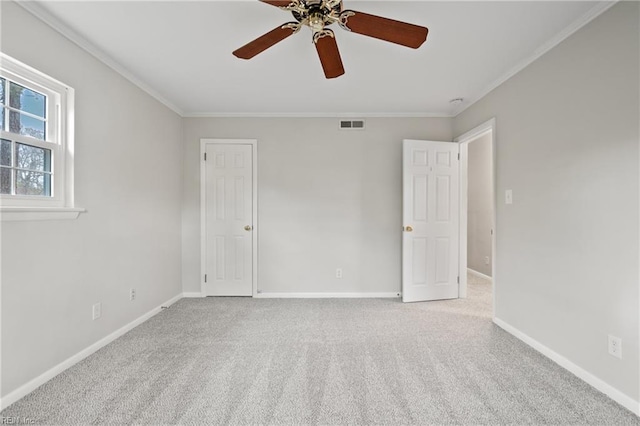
{"x":430,"y":220}
{"x":229,"y":222}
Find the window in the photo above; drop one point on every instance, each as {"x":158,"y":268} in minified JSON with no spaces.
{"x":36,"y":144}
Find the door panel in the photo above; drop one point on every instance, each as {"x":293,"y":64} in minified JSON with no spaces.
{"x":430,"y":219}
{"x":420,"y":188}
{"x":229,"y":198}
{"x":419,"y":269}
{"x":443,"y":198}
{"x":442,"y":261}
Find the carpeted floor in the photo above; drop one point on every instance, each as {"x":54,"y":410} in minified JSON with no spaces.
{"x":320,"y":361}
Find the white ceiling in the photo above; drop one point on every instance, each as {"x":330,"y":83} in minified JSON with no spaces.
{"x":181,"y":51}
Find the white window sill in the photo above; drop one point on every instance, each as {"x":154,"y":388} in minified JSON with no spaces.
{"x":12,"y":214}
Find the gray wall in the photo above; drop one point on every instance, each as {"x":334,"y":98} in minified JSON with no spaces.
{"x":567,"y":261}
{"x":128,"y":176}
{"x":567,"y":144}
{"x":479,"y":205}
{"x":328,"y":198}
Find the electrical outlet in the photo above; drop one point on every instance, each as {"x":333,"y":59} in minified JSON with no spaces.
{"x":132,"y":294}
{"x":486,"y":260}
{"x":97,"y":311}
{"x":508,"y":196}
{"x":615,"y":346}
{"x":339,"y":273}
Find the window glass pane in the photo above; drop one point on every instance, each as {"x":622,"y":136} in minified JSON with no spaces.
{"x":26,"y":99}
{"x":33,"y":158}
{"x":5,"y":152}
{"x":2,"y":84}
{"x":33,"y":183}
{"x":2,"y":119}
{"x":25,"y":125}
{"x":5,"y":180}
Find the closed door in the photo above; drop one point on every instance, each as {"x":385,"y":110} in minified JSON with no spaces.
{"x":431,"y":216}
{"x":229,"y":223}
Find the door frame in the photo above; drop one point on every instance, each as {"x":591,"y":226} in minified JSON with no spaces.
{"x":464,"y":140}
{"x":203,"y":206}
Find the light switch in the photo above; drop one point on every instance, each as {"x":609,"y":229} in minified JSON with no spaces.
{"x":508,"y":196}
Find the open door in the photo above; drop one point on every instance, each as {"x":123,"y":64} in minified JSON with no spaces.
{"x":430,"y":215}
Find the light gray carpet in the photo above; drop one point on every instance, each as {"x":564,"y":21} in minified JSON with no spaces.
{"x":315,"y":361}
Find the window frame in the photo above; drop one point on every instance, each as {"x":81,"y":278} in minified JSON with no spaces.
{"x":59,"y":138}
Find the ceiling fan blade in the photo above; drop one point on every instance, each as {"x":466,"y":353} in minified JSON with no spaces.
{"x":329,"y":54}
{"x":384,"y":28}
{"x":277,"y":3}
{"x":267,"y":40}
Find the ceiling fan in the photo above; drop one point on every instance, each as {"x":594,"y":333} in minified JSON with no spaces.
{"x":319,"y":14}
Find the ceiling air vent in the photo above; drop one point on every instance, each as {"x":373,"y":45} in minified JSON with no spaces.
{"x":351,"y":124}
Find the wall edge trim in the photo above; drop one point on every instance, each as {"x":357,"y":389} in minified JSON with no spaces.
{"x":38,"y":381}
{"x":192,"y":294}
{"x":479,"y":274}
{"x":357,"y":295}
{"x":62,"y":28}
{"x":599,"y":384}
{"x":316,"y":115}
{"x":567,"y":32}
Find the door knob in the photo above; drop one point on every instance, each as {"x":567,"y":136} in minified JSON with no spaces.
{"x":248,"y":228}
{"x":408,"y":229}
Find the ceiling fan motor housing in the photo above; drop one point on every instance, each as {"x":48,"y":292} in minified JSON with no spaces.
{"x":317,"y":13}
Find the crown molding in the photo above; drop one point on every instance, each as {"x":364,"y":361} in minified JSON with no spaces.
{"x":315,"y":115}
{"x":39,"y":12}
{"x":583,"y":20}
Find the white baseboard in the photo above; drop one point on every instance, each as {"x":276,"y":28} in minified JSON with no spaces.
{"x":30,"y":386}
{"x":479,"y":274}
{"x":613,"y":393}
{"x":326,"y":295}
{"x":192,"y":294}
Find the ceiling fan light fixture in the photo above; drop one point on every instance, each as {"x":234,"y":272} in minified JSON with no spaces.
{"x":316,"y":21}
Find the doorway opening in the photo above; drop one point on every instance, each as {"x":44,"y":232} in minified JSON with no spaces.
{"x":477,"y":214}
